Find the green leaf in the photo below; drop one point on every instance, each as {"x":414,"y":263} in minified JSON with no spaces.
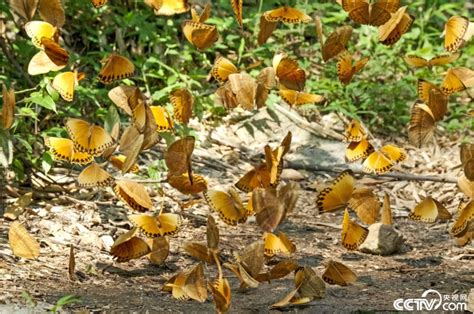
{"x":47,"y":162}
{"x":6,"y":149}
{"x":43,"y":100}
{"x":111,"y":119}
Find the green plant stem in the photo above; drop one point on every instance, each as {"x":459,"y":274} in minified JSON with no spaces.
{"x":26,"y":90}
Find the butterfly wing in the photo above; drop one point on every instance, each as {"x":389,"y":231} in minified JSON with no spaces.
{"x":237,"y":6}
{"x":381,"y":11}
{"x":37,"y":30}
{"x":183,"y":184}
{"x":415,"y":61}
{"x":245,"y":89}
{"x":338,"y":274}
{"x":454,"y":31}
{"x":287,"y":14}
{"x":344,"y":68}
{"x":63,"y":149}
{"x":393,"y":152}
{"x":178,"y":156}
{"x":338,"y":194}
{"x":182,"y":101}
{"x":259,"y":177}
{"x":290,"y":74}
{"x":336,"y":42}
{"x":162,"y":118}
{"x":365,"y":204}
{"x":133,"y":194}
{"x":424,"y":88}
{"x":445,"y":59}
{"x":358,"y":150}
{"x":422,"y":124}
{"x":64,"y":83}
{"x":377,"y":163}
{"x":295,"y":98}
{"x":40,"y":63}
{"x":94,"y":176}
{"x":8,"y":108}
{"x":228,"y":206}
{"x":399,"y":24}
{"x":358,"y":10}
{"x":98,"y":3}
{"x":266,"y":29}
{"x":353,"y":234}
{"x":222,"y":68}
{"x":116,"y":67}
{"x":168,"y":224}
{"x":200,"y":35}
{"x":426,"y":211}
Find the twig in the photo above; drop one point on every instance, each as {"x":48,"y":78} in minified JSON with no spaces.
{"x":313,"y":128}
{"x":397,"y":175}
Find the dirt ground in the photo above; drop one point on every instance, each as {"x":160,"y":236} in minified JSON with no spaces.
{"x":429,"y":259}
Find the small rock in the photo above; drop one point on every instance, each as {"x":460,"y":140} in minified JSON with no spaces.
{"x":292,"y":174}
{"x":91,"y":239}
{"x":470,"y":301}
{"x":382,"y":240}
{"x":107,"y":240}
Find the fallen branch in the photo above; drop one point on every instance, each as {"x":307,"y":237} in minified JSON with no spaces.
{"x":396,"y":175}
{"x":313,"y":128}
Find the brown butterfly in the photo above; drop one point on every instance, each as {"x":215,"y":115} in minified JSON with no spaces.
{"x":366,"y":205}
{"x":272,"y":205}
{"x":376,"y":13}
{"x":244,"y":88}
{"x":178,"y":156}
{"x":422,"y":124}
{"x":436,"y":100}
{"x":248,"y":264}
{"x":345,"y":69}
{"x":269,"y":21}
{"x":419,"y":62}
{"x":337,"y":273}
{"x":200,"y":35}
{"x":115,"y":67}
{"x":183,"y":102}
{"x":120,"y":96}
{"x":52,"y":11}
{"x":289,"y":74}
{"x":467,"y":160}
{"x":268,"y":173}
{"x":296,"y":98}
{"x":128,"y":246}
{"x":335,"y":43}
{"x":8,"y":108}
{"x":266,"y":81}
{"x":395,"y":27}
{"x":237,"y":6}
{"x":133,"y":194}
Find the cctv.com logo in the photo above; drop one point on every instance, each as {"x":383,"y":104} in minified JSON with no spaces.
{"x":432,"y":300}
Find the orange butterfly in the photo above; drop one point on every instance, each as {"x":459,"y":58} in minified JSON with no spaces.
{"x":296,"y":98}
{"x":269,"y":21}
{"x":237,"y":6}
{"x":98,"y":3}
{"x":229,"y":206}
{"x":128,"y":246}
{"x":276,"y":244}
{"x":353,"y":234}
{"x":382,"y":161}
{"x":115,"y":67}
{"x":338,"y":274}
{"x":376,"y":13}
{"x":345,"y":69}
{"x":182,"y":101}
{"x":200,"y":35}
{"x":222,"y":68}
{"x":156,"y":226}
{"x":397,"y":25}
{"x":268,"y":173}
{"x":358,"y":150}
{"x":133,"y":194}
{"x":63,"y":149}
{"x":335,"y":43}
{"x":337,"y":194}
{"x":434,"y":98}
{"x":289,"y":74}
{"x":88,"y":138}
{"x":419,"y":62}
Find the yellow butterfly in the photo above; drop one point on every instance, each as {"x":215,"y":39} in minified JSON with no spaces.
{"x":337,"y":273}
{"x":115,"y":67}
{"x":353,"y":234}
{"x":419,"y":62}
{"x":94,"y":176}
{"x":134,"y":195}
{"x":65,"y":83}
{"x":382,"y":161}
{"x":87,"y":137}
{"x":395,"y":27}
{"x":430,"y":210}
{"x":157,"y":226}
{"x":37,"y":30}
{"x":63,"y":149}
{"x":229,"y":205}
{"x":345,"y":69}
{"x":457,"y":31}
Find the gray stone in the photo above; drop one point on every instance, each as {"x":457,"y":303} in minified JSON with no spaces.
{"x":382,"y":240}
{"x":470,"y":301}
